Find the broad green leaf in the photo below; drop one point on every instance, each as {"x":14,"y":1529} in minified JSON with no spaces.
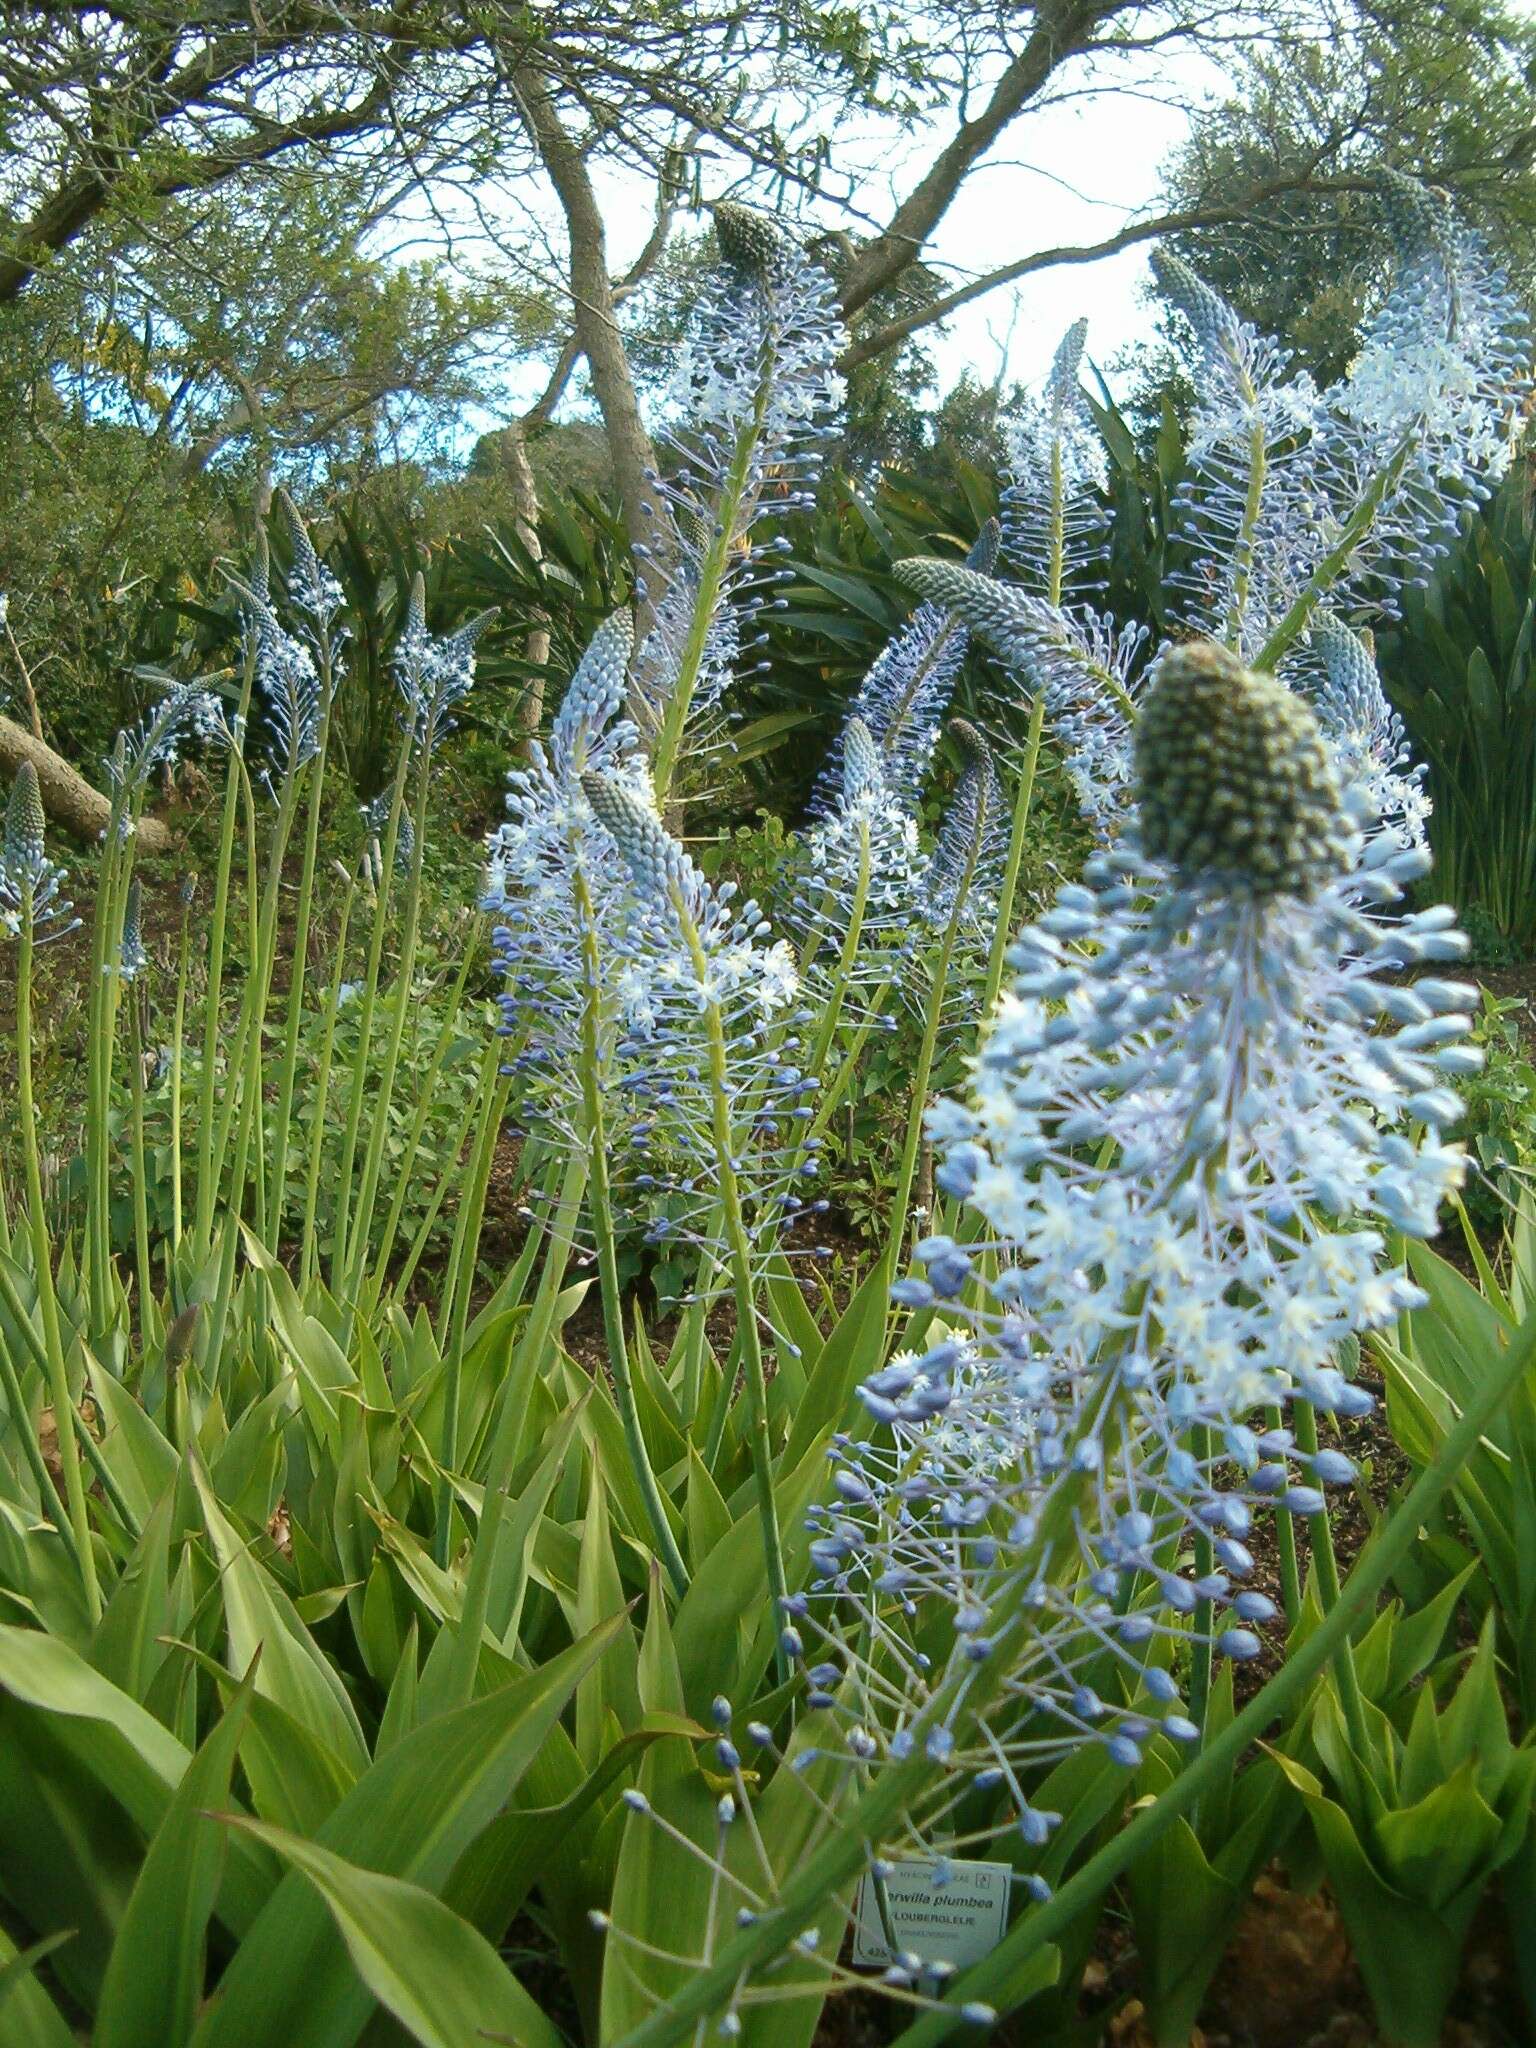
{"x":292,"y":1670}
{"x":412,"y":1815}
{"x":502,"y":1867}
{"x":29,"y":2017}
{"x":438,"y":1976}
{"x":154,"y":1980}
{"x":849,"y":1355}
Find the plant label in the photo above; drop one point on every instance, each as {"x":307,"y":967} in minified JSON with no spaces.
{"x":945,"y":1912}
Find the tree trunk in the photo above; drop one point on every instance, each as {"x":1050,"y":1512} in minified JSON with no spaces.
{"x":67,"y":797}
{"x":1062,"y":29}
{"x":597,"y":326}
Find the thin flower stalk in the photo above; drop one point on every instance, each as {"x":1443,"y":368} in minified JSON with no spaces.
{"x":309,"y":1254}
{"x":489,"y":1104}
{"x":218,"y":931}
{"x":178,"y":1048}
{"x":367,"y":1002}
{"x":607,"y":1251}
{"x":490,"y":1100}
{"x":24,"y":822}
{"x":288,"y":1068}
{"x":426,"y":1086}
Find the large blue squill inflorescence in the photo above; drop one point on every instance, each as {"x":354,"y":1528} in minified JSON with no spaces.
{"x":1053,"y":516}
{"x":903,"y":700}
{"x":752,"y":406}
{"x":1360,"y":485}
{"x":1198,"y":1116}
{"x":434,"y":674}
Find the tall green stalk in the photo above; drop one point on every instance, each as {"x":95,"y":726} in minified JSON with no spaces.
{"x":277,"y":1194}
{"x":42,"y":1269}
{"x":178,"y":1043}
{"x":368,"y":1002}
{"x":507,"y":1434}
{"x":213,"y":997}
{"x":600,"y":1209}
{"x":309,"y":1255}
{"x":458,"y":1281}
{"x":384,"y":1093}
{"x":933,"y":1012}
{"x":739,"y":1258}
{"x":140,"y":1175}
{"x":727,"y":514}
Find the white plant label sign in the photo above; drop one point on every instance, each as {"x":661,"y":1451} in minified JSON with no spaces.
{"x":958,"y":1921}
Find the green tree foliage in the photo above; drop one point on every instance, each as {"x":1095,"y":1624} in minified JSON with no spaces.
{"x":1440,"y":92}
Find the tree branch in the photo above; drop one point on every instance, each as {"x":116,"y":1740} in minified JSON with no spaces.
{"x":878,"y":340}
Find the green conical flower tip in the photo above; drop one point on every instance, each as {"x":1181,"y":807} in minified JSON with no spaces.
{"x":695,"y":528}
{"x":982,"y":559}
{"x":133,"y":957}
{"x":861,"y":761}
{"x":748,"y":241}
{"x":261,"y":574}
{"x":24,"y":823}
{"x":1234,"y":778}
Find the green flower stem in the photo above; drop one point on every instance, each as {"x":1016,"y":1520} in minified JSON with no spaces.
{"x":308,"y":1251}
{"x":341,"y":1220}
{"x":711,"y":576}
{"x":740,"y":1260}
{"x":832,"y":1010}
{"x":450,"y":1176}
{"x":1253,"y":506}
{"x":1205,"y":1559}
{"x":425,"y":1090}
{"x":384,"y":1093}
{"x":1022,"y":801}
{"x":459,"y":1273}
{"x":42,"y":1271}
{"x":1336,"y":561}
{"x":48,"y":1489}
{"x":1285,"y":1537}
{"x":507,"y":1435}
{"x":140,"y":1176}
{"x":277,"y":1198}
{"x":213,"y":996}
{"x":244,"y":1099}
{"x":600,"y":1209}
{"x":832,"y":1014}
{"x":178,"y":1042}
{"x":839,"y":1859}
{"x":106,"y":940}
{"x":1326,"y":1564}
{"x":31,"y":1449}
{"x":457,"y":1289}
{"x":932,"y":1016}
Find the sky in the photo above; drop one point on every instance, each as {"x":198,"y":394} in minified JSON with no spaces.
{"x":1092,"y":164}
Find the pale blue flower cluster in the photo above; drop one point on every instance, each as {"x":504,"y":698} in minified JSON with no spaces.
{"x":1195,"y":1120}
{"x":1053,"y":517}
{"x":1336,"y":670}
{"x":186,"y":714}
{"x":31,"y":885}
{"x":751,"y":409}
{"x":434,"y":673}
{"x":902,"y":702}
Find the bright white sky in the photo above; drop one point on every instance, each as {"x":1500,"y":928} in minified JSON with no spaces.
{"x":1092,"y":165}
